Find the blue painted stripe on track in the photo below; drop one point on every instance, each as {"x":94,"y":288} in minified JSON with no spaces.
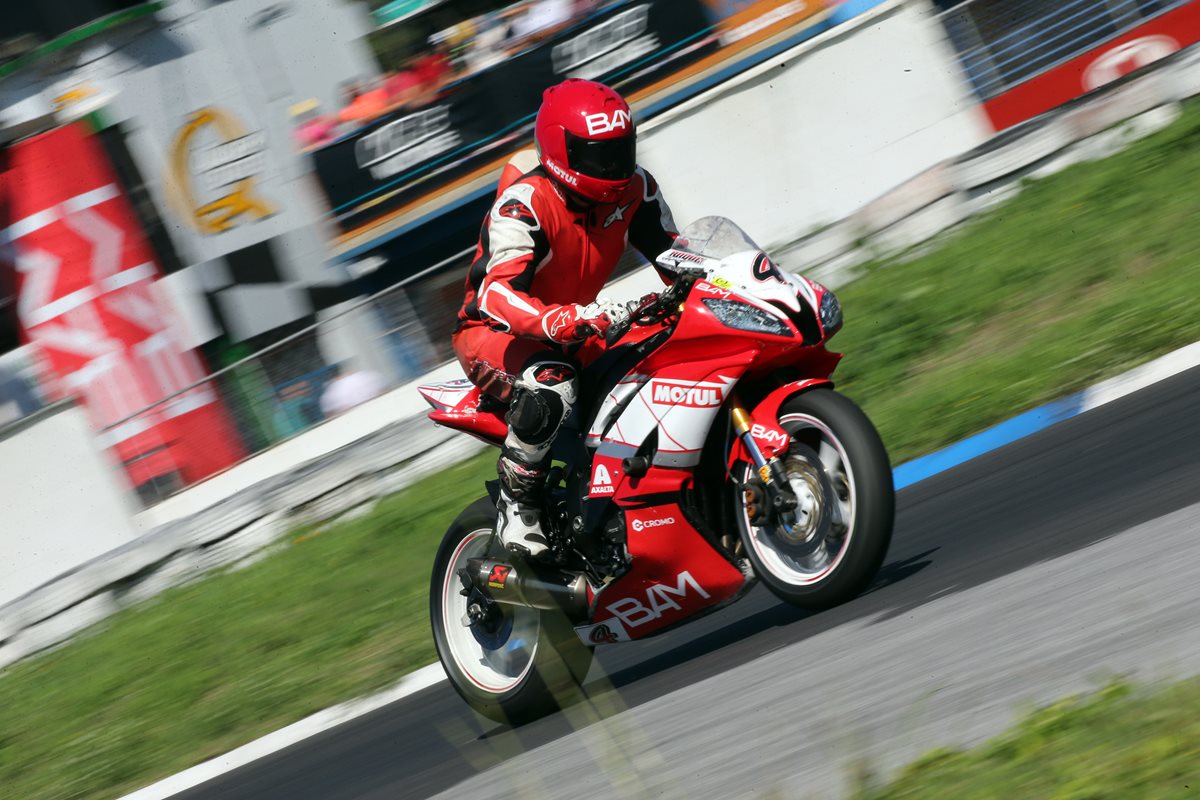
{"x":991,"y":439}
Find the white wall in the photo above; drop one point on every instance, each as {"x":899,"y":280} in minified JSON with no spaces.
{"x":61,"y":503}
{"x":817,"y":132}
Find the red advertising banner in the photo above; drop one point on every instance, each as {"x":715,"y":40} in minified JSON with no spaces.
{"x":87,"y":298}
{"x":1157,"y":38}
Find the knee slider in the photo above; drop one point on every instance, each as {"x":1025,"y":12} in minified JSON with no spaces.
{"x":542,"y":399}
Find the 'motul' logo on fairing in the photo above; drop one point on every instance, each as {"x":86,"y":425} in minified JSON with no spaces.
{"x":698,"y":395}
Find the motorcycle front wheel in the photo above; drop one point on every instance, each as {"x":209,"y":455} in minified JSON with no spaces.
{"x":831,"y":547}
{"x":518,"y":663}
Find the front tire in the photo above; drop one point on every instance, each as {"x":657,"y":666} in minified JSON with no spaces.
{"x":519,"y":665}
{"x":831,"y":548}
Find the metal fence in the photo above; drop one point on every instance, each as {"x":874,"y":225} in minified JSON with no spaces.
{"x":1001,"y":43}
{"x":269,"y":395}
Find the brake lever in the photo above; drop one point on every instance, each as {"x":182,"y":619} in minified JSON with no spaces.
{"x":615,"y":332}
{"x":636,"y":310}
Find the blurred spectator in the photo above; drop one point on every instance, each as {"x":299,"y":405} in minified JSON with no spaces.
{"x":542,"y":17}
{"x":403,"y":87}
{"x":20,"y":395}
{"x":348,"y":390}
{"x":433,"y":69}
{"x":468,"y":46}
{"x":365,"y":103}
{"x":293,"y":412}
{"x":312,"y":129}
{"x":490,"y":45}
{"x":582,"y":8}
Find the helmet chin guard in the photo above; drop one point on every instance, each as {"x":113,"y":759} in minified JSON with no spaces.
{"x":586,"y":139}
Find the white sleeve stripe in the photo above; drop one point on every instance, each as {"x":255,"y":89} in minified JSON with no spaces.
{"x":509,"y":295}
{"x":483,"y":309}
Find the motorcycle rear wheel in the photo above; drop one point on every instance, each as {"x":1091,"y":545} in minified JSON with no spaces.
{"x":522,"y":665}
{"x":838,"y":537}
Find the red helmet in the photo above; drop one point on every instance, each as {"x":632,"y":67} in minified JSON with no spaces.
{"x":585,"y":139}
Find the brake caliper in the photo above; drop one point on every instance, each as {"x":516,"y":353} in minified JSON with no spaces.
{"x":481,"y":609}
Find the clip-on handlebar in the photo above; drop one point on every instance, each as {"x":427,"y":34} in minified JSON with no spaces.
{"x":649,"y":309}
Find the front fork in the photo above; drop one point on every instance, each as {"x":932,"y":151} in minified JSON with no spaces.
{"x":770,"y":499}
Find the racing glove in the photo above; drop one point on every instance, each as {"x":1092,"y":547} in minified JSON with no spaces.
{"x":575,"y":323}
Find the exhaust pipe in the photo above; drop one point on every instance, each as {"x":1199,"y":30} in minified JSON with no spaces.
{"x":526,"y":586}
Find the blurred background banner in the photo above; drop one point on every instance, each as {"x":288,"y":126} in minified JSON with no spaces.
{"x":86,"y":297}
{"x":407,"y":154}
{"x":1025,"y":57}
{"x":400,"y":10}
{"x":741,"y":20}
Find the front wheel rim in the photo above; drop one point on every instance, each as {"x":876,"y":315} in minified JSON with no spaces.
{"x":500,"y":657}
{"x":808,"y":551}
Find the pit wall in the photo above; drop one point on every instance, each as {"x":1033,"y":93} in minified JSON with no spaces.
{"x":816,"y":133}
{"x":62,"y":502}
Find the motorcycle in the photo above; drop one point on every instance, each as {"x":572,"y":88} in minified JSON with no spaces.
{"x":708,"y":451}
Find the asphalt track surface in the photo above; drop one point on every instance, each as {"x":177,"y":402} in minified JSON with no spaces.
{"x":1040,"y":567}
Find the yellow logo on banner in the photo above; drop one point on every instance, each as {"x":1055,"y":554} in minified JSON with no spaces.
{"x":75,"y":95}
{"x":228,"y":169}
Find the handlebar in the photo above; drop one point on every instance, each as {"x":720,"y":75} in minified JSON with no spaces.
{"x":649,"y":309}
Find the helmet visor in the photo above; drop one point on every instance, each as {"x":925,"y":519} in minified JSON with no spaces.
{"x":607,"y":159}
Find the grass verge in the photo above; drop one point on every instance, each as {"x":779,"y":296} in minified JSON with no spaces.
{"x":1083,"y":275}
{"x":207,"y":667}
{"x":1118,"y":743}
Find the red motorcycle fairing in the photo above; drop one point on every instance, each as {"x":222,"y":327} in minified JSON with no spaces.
{"x":675,"y":573}
{"x":456,"y":405}
{"x":771,"y":439}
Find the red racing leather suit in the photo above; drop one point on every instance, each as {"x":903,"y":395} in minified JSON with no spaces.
{"x":537,"y":258}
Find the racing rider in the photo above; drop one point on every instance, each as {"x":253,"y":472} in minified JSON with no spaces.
{"x":561,"y":220}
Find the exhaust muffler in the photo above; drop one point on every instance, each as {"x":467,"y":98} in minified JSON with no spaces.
{"x":526,"y":585}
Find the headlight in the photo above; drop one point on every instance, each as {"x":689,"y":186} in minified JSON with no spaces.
{"x":745,"y":317}
{"x":831,"y":313}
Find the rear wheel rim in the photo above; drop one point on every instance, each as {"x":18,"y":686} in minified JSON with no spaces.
{"x":819,"y":472}
{"x":495,"y":658}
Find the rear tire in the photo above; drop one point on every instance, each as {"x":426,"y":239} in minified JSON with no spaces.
{"x":524,"y":665}
{"x":839,"y":470}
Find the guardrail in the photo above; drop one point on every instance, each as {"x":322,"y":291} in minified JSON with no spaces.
{"x":1001,"y":43}
{"x":279,"y":391}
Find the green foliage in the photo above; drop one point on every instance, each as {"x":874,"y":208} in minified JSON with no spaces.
{"x":1082,"y":275}
{"x":1118,"y":743}
{"x":203,"y":668}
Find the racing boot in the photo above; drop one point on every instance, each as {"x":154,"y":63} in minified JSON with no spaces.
{"x":519,"y":508}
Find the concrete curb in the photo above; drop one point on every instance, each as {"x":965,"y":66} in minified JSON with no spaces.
{"x":905,"y":475}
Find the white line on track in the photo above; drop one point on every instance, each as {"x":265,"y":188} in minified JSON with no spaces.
{"x":292,"y":734}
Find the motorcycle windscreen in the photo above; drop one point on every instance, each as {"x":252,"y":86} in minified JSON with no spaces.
{"x":714,"y":237}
